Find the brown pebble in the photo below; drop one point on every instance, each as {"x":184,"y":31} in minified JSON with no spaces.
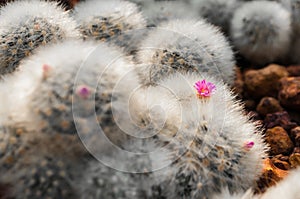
{"x":264,"y":82}
{"x":289,"y":94}
{"x":279,"y":119}
{"x":250,"y":104}
{"x":281,"y":164}
{"x":268,"y":105}
{"x":271,"y":175}
{"x":295,"y":115}
{"x":296,"y":150}
{"x":279,"y":141}
{"x":295,"y":135}
{"x":238,"y":85}
{"x":294,"y":70}
{"x":295,"y":160}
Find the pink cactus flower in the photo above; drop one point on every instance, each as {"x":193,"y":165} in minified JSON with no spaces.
{"x":83,"y":91}
{"x":204,"y":88}
{"x":249,"y":145}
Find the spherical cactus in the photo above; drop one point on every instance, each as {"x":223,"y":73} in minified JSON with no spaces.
{"x":182,"y":46}
{"x":108,"y":20}
{"x":215,"y":145}
{"x":261,"y":31}
{"x":26,"y":25}
{"x":75,"y":86}
{"x":217,"y":12}
{"x":46,"y":169}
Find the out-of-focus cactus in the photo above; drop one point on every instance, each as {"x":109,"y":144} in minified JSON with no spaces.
{"x":45,"y":169}
{"x":261,"y":31}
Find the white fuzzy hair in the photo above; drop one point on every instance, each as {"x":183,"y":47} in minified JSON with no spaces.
{"x":221,"y":112}
{"x":197,"y":38}
{"x":117,"y":9}
{"x":20,"y":11}
{"x":261,"y":31}
{"x":17,"y":88}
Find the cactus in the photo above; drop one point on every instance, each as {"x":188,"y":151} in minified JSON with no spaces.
{"x":215,"y":145}
{"x":45,"y":169}
{"x":26,"y":25}
{"x":182,"y":46}
{"x":108,"y":20}
{"x":60,"y":88}
{"x":217,"y":12}
{"x":255,"y":37}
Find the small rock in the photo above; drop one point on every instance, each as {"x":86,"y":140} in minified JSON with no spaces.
{"x":295,"y":160}
{"x":282,"y":157}
{"x":289,"y":94}
{"x":238,"y":85}
{"x":268,"y":105}
{"x":279,"y":141}
{"x":296,"y":150}
{"x":281,"y":164}
{"x":295,"y":135}
{"x":270,"y":176}
{"x":295,"y":116}
{"x":294,"y":70}
{"x":264,"y":82}
{"x":279,"y":119}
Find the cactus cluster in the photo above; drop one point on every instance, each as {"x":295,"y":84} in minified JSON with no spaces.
{"x":172,"y":127}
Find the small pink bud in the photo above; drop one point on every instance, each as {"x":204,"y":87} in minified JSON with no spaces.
{"x":46,"y":70}
{"x":249,"y":145}
{"x":83,"y":91}
{"x":204,"y":88}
